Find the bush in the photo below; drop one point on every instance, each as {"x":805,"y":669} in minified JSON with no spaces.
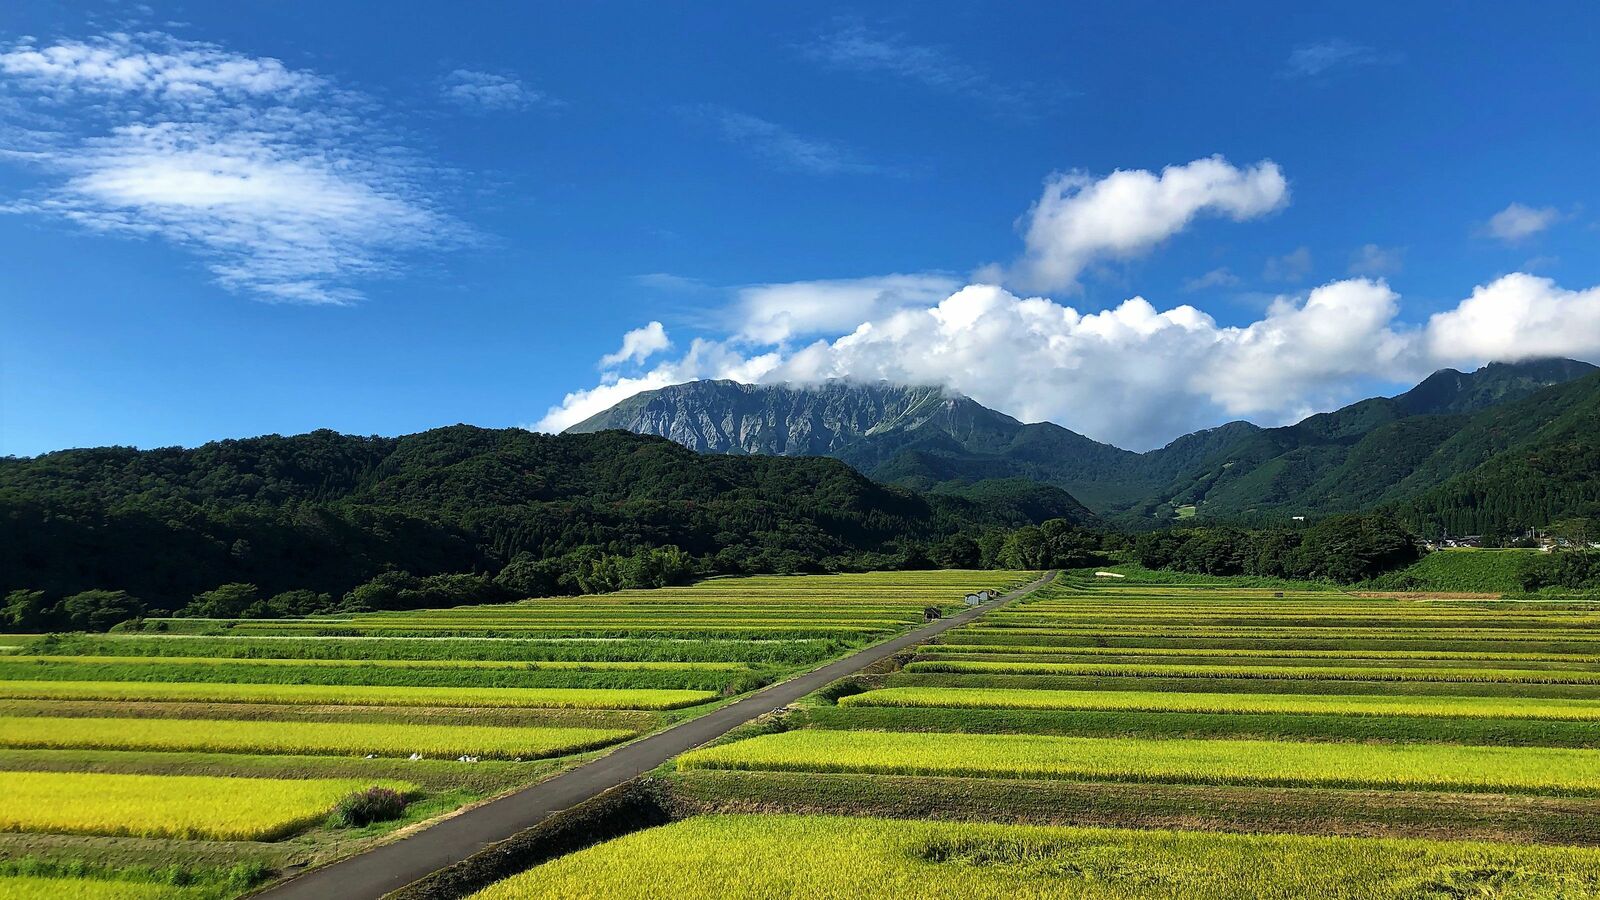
{"x":375,"y":804}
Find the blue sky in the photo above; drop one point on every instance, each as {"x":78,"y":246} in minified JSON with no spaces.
{"x":222,"y":220}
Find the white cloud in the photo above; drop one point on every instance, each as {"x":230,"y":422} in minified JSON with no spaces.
{"x":1216,"y":278}
{"x":705,"y":359}
{"x":275,"y":177}
{"x":638,"y":345}
{"x":857,"y":48}
{"x":1517,"y":222}
{"x":1374,"y":261}
{"x":1312,"y":60}
{"x":1081,"y":219}
{"x":1518,"y":316}
{"x":781,"y":147}
{"x":156,"y":67}
{"x":773,"y":313}
{"x":491,"y":92}
{"x":1291,"y":267}
{"x":666,"y":281}
{"x":1136,"y":375}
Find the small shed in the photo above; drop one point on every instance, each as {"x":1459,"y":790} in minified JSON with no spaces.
{"x":977,"y":598}
{"x":931,"y":614}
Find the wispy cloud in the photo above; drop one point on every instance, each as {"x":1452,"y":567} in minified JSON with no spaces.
{"x":1292,"y":266}
{"x":278,"y":178}
{"x":666,"y":281}
{"x":781,"y":147}
{"x":1517,"y":222}
{"x":487,"y":92}
{"x":1320,"y":58}
{"x":1373,"y":261}
{"x":1216,"y":278}
{"x":854,"y":47}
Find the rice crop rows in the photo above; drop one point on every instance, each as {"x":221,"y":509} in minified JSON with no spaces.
{"x":215,"y":731}
{"x":1429,"y":766}
{"x":1310,"y":672}
{"x":310,"y":738}
{"x":1554,"y":709}
{"x":187,"y":807}
{"x":354,"y":695}
{"x":833,"y":858}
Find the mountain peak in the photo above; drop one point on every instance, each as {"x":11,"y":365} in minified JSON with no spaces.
{"x":1450,"y":391}
{"x":792,"y":420}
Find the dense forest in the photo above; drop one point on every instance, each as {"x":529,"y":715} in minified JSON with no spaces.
{"x":289,"y":525}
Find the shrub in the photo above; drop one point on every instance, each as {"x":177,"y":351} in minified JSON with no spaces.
{"x":375,"y":804}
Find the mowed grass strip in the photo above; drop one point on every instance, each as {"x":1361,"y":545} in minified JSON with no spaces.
{"x":1316,"y":673}
{"x":355,"y":695}
{"x":1554,"y":709}
{"x":300,"y":738}
{"x":836,"y":858}
{"x":190,"y":807}
{"x":1249,"y":762}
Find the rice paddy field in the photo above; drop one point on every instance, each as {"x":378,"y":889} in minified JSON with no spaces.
{"x":1134,"y":738}
{"x":203,"y":758}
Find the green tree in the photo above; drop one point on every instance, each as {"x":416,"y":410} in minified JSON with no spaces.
{"x":1025,"y":548}
{"x":228,"y":601}
{"x":99,"y":610}
{"x":958,"y":551}
{"x":26,"y":610}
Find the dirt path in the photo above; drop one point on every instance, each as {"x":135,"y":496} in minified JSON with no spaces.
{"x":370,"y":875}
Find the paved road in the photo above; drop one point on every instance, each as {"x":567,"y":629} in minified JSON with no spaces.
{"x":370,"y":875}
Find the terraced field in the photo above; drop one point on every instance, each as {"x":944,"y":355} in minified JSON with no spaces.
{"x":198,"y":758}
{"x":1137,"y":739}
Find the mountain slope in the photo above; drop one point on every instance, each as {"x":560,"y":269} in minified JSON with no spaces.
{"x":1375,"y":451}
{"x":914,"y":436}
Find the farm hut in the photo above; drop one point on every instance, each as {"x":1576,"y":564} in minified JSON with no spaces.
{"x":976,"y":598}
{"x":931,"y":614}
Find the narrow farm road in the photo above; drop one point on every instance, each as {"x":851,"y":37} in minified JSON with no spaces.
{"x":370,"y":875}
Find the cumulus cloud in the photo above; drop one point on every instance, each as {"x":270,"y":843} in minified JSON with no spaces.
{"x":774,"y":313}
{"x":1081,"y":219}
{"x":638,"y":345}
{"x":1137,"y":375}
{"x":1518,"y":316}
{"x":487,"y":92}
{"x":705,"y":359}
{"x":1516,"y":222}
{"x":276,"y":177}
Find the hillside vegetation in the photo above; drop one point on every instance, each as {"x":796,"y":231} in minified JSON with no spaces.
{"x":321,"y":513}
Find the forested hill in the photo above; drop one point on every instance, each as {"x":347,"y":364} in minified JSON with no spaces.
{"x":327,"y":511}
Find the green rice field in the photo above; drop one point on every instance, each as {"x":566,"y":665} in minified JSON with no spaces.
{"x":835,"y":858}
{"x":191,"y":808}
{"x":1186,"y":738}
{"x":216,"y":745}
